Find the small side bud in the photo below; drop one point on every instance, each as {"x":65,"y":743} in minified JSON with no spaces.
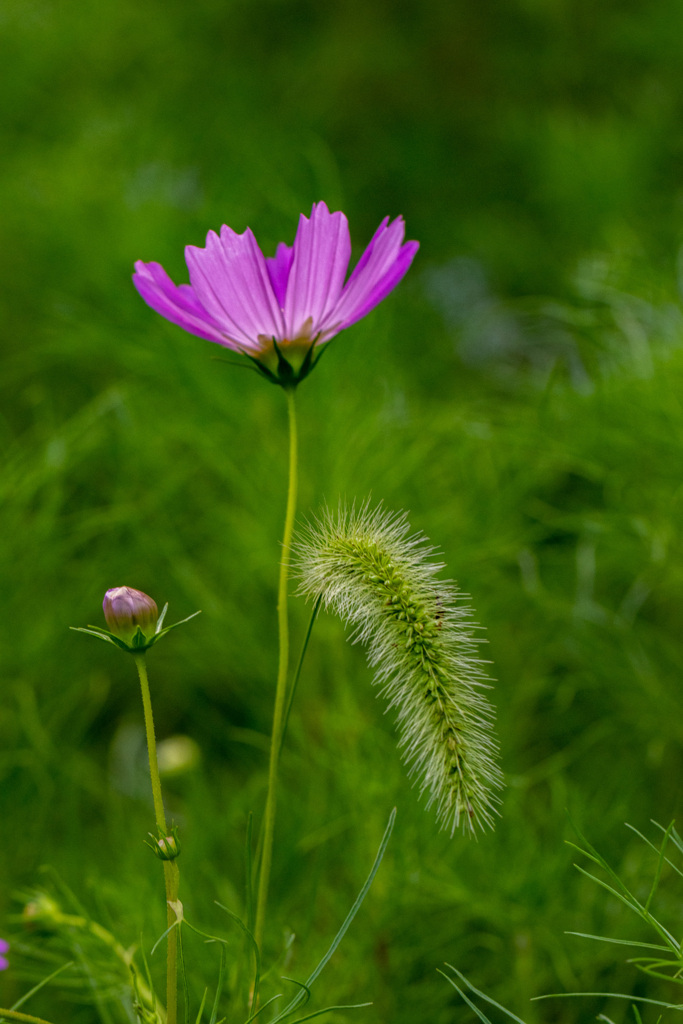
{"x":166,"y":847}
{"x":127,"y":610}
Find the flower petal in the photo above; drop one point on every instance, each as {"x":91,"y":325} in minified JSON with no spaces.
{"x":322,"y":250}
{"x":177,"y":303}
{"x":380,"y":268}
{"x":279,"y":267}
{"x":230,"y":279}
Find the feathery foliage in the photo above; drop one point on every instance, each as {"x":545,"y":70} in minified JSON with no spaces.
{"x":369,"y":568}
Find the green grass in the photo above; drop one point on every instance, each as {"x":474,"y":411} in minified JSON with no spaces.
{"x":555,"y":510}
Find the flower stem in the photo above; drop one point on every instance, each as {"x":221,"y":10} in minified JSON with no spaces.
{"x":171,"y":874}
{"x":280,"y":692}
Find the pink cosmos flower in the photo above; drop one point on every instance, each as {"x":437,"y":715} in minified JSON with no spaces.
{"x":279,"y":310}
{"x":4,"y":948}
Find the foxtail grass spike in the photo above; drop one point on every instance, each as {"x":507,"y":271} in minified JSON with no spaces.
{"x":381,"y":579}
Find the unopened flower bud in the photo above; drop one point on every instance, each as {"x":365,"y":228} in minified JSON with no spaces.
{"x":133,"y":619}
{"x":126,"y":610}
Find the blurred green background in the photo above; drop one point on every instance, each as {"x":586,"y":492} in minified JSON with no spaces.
{"x":519,"y":394}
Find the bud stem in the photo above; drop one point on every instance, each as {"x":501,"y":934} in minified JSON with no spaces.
{"x":171,"y":874}
{"x":278,"y":714}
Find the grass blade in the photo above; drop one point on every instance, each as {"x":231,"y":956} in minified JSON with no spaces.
{"x":482,"y":995}
{"x":297,"y":1000}
{"x":329,"y":1009}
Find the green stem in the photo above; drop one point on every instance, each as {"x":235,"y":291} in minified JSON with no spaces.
{"x":295,"y":682}
{"x":280,"y":692}
{"x":15,"y":1015}
{"x":171,"y":874}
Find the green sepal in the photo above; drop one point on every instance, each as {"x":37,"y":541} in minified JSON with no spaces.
{"x":102,"y":634}
{"x":139,"y":642}
{"x":162,"y":632}
{"x":160,"y":620}
{"x":286,"y":376}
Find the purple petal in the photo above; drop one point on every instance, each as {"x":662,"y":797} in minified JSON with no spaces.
{"x":322,"y":250}
{"x":380,"y":268}
{"x":279,"y":267}
{"x":230,"y":279}
{"x":385,"y":285}
{"x":177,"y":303}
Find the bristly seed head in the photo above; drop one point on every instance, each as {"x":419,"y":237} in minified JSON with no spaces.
{"x":378,"y":577}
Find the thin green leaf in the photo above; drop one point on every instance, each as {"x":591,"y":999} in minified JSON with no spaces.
{"x":675,"y":837}
{"x":651,"y":973}
{"x":163,"y":936}
{"x":641,"y":961}
{"x":249,"y":874}
{"x":223,"y":943}
{"x":254,"y":945}
{"x":262,"y":1008}
{"x":201,"y":1007}
{"x":300,"y":985}
{"x":473,"y":1006}
{"x":295,"y":682}
{"x":329,"y":1009}
{"x":296,"y":1002}
{"x":41,"y":984}
{"x":608,"y":995}
{"x":658,"y":870}
{"x":482,"y":995}
{"x":671,"y":833}
{"x":26,"y":1017}
{"x":593,"y":855}
{"x":632,"y":904}
{"x":637,"y":907}
{"x":219,"y":986}
{"x":620,"y":942}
